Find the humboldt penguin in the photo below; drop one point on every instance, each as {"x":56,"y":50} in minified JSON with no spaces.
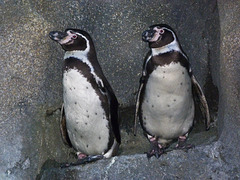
{"x":89,"y":120}
{"x":165,"y":99}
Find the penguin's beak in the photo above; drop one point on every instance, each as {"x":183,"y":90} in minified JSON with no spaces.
{"x":63,"y":38}
{"x":148,"y":35}
{"x":57,"y":35}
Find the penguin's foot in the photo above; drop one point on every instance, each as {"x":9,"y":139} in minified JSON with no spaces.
{"x":182,"y":144}
{"x":157,"y":150}
{"x":81,"y":155}
{"x":89,"y":159}
{"x":85,"y":160}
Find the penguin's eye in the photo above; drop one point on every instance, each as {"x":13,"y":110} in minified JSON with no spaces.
{"x":161,"y":31}
{"x":74,"y":36}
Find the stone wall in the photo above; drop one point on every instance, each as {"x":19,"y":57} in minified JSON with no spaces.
{"x":229,"y":74}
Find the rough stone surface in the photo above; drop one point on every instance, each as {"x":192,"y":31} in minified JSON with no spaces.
{"x":229,"y":106}
{"x":200,"y":163}
{"x":116,"y":28}
{"x":31,"y":89}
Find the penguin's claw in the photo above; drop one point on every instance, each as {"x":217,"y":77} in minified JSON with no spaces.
{"x":85,"y":160}
{"x":183,"y":145}
{"x":157,"y":154}
{"x":156,"y":150}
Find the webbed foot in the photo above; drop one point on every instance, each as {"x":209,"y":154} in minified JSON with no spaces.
{"x":182,"y":144}
{"x":85,"y":160}
{"x":156,"y":150}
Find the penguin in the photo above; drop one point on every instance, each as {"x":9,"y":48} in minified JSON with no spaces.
{"x":89,"y":121}
{"x":167,"y":92}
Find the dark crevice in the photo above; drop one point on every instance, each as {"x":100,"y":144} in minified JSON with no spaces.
{"x":211,"y":91}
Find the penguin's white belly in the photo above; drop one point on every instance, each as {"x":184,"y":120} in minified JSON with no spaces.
{"x":168,"y":107}
{"x":86,"y":121}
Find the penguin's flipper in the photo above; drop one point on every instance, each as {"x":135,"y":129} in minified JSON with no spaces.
{"x":198,"y":92}
{"x":63,"y":128}
{"x":114,"y":115}
{"x":113,"y":107}
{"x":142,"y":81}
{"x":137,"y":108}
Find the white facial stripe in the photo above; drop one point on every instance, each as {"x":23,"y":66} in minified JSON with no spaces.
{"x":82,"y":55}
{"x":173,"y":46}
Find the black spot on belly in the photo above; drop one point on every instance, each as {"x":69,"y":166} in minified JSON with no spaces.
{"x":163,"y":77}
{"x":70,"y":88}
{"x":174,"y":100}
{"x":81,"y":136}
{"x":87,"y":116}
{"x":86,"y":87}
{"x":152,"y":106}
{"x":158,"y":96}
{"x":75,"y":102}
{"x":164,"y":71}
{"x":144,"y":118}
{"x":181,"y":83}
{"x":75,"y":129}
{"x":168,"y":105}
{"x":99,"y":137}
{"x":95,"y":113}
{"x":74,"y":88}
{"x":87,"y":145}
{"x":182,"y":72}
{"x":85,"y":123}
{"x":144,"y":123}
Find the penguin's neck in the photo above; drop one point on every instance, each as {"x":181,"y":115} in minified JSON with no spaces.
{"x":173,"y":46}
{"x":81,"y":56}
{"x":76,"y":54}
{"x":84,"y":57}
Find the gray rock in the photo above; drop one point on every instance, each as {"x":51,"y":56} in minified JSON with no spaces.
{"x":200,"y":163}
{"x":229,"y":106}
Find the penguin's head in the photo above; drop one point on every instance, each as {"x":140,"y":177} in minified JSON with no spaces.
{"x":72,"y":39}
{"x":159,"y":35}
